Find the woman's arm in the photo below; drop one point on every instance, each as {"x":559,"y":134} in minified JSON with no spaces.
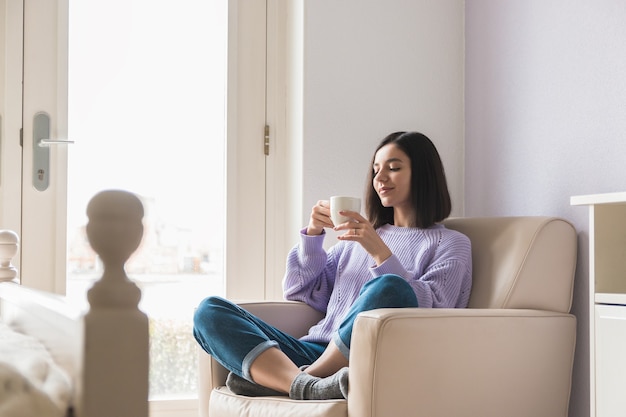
{"x":447,"y":279}
{"x":440,"y":279}
{"x":310,"y":272}
{"x":444,"y":285}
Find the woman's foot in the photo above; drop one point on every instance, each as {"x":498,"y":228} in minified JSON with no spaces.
{"x":308,"y":387}
{"x":242,"y":386}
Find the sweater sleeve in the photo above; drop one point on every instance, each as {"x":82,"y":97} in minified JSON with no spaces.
{"x":442,"y":285}
{"x":310,"y":272}
{"x":391,"y":265}
{"x":445,"y":280}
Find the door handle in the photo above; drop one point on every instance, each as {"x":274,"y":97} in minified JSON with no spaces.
{"x":48,"y":142}
{"x":41,"y":150}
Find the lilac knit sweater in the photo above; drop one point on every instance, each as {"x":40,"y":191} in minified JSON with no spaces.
{"x":437,"y":263}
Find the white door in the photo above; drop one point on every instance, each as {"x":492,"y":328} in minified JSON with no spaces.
{"x":43,"y":177}
{"x":11,"y":42}
{"x":143,"y":110}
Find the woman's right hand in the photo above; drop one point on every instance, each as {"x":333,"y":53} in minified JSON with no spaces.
{"x":320,"y":218}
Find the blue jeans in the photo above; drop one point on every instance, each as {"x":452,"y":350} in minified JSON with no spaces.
{"x":386,"y":291}
{"x":235,"y":338}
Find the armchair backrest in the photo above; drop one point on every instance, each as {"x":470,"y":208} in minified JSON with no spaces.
{"x":520,"y":262}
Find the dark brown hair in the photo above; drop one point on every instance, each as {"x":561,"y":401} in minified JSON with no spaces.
{"x":429,"y":189}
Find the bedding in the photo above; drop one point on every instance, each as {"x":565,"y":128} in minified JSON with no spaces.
{"x":31,"y":384}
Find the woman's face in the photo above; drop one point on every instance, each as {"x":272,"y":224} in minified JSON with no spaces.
{"x":392,"y":178}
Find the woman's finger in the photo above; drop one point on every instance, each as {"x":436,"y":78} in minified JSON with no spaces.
{"x":354,"y":215}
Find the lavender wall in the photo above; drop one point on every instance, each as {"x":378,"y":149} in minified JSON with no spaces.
{"x":545,"y":119}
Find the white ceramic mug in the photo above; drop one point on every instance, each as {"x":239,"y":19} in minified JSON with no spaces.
{"x":339,"y":203}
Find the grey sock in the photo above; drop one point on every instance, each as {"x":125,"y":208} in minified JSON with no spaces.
{"x":242,"y":386}
{"x":308,"y":387}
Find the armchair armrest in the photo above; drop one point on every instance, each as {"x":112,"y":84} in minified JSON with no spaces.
{"x":461,"y":362}
{"x":292,"y":317}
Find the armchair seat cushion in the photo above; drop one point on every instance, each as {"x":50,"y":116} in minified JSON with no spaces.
{"x":224,"y":403}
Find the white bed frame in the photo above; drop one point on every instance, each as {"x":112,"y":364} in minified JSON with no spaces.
{"x":104,"y":349}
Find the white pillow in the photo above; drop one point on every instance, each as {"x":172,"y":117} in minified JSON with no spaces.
{"x":31,"y":383}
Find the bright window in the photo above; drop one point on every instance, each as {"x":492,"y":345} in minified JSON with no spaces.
{"x":146,"y":109}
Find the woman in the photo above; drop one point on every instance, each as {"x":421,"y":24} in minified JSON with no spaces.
{"x":399,"y":256}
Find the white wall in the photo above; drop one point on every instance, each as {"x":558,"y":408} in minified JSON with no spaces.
{"x":372,"y":67}
{"x":545,"y":110}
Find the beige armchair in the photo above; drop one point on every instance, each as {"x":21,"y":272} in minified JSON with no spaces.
{"x":509,"y":355}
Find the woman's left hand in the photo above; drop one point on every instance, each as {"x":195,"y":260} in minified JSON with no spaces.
{"x":360,"y":230}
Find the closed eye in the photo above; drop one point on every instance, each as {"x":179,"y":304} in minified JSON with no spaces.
{"x":391,"y":169}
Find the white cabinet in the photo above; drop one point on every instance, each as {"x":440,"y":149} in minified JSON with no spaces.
{"x":607,"y":302}
{"x":610,"y":363}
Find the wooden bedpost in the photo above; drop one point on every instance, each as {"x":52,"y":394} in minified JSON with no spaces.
{"x":115,"y":381}
{"x":9,"y":242}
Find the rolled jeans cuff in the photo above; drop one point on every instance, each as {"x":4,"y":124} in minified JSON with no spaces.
{"x":253,"y":354}
{"x":345,"y":350}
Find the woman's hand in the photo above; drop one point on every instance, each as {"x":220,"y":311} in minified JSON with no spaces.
{"x":359,"y":229}
{"x":320,"y":218}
